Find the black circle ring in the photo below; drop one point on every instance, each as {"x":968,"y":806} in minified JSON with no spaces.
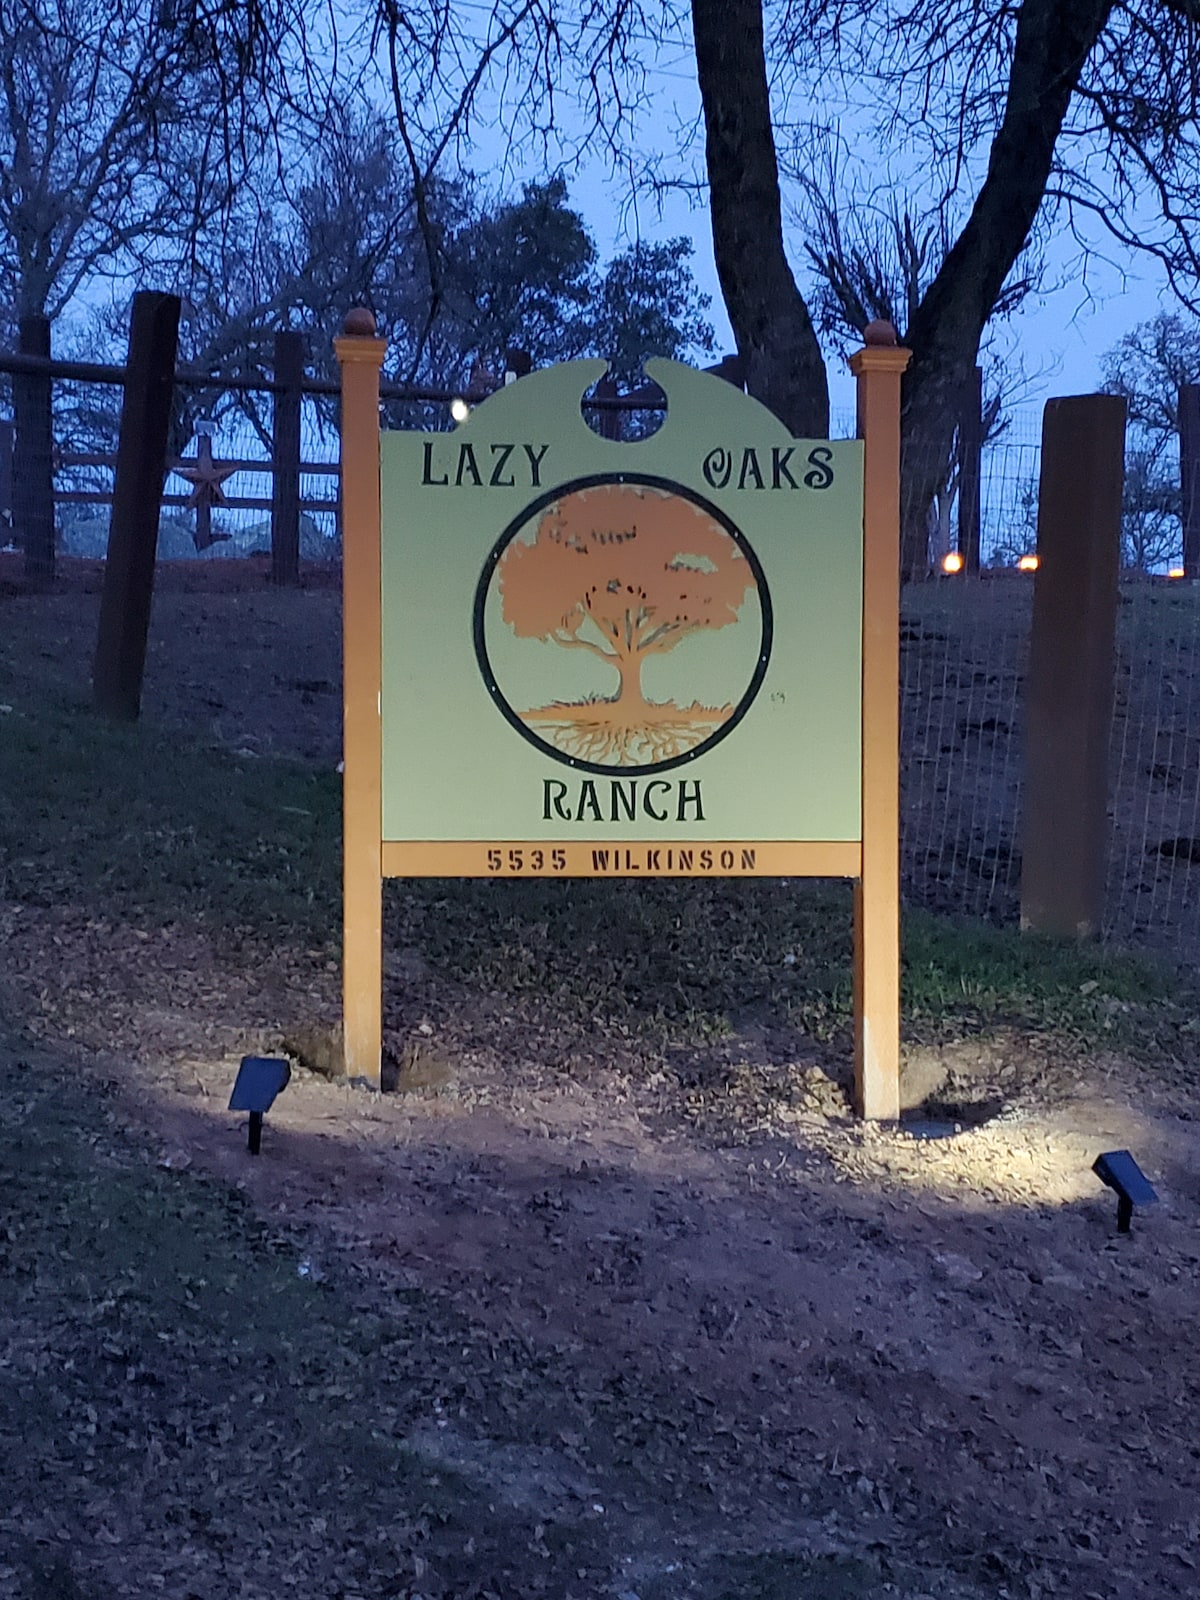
{"x":521,"y":521}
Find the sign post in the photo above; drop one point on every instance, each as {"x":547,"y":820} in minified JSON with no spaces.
{"x":878,"y":369}
{"x":360,"y":355}
{"x":573,"y":656}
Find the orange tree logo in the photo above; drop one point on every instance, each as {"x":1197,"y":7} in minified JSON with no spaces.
{"x":622,"y":625}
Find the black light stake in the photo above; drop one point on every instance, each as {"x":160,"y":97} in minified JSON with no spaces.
{"x":259,"y":1080}
{"x":1120,"y":1172}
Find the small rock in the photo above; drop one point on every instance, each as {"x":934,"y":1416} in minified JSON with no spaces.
{"x":923,"y":1073}
{"x":318,"y":1048}
{"x":957,"y":1269}
{"x":1063,"y":1280}
{"x":418,"y":1066}
{"x":407,"y":965}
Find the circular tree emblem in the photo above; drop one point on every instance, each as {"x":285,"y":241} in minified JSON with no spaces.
{"x":622,"y":626}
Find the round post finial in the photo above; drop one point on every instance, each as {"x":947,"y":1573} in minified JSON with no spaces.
{"x":880,"y":333}
{"x":359,"y":323}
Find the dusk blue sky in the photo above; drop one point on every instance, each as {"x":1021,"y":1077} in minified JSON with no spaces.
{"x":1059,"y":336}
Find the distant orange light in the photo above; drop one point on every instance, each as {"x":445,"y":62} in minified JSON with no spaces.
{"x":1175,"y":572}
{"x":952,"y":562}
{"x":1027,"y":564}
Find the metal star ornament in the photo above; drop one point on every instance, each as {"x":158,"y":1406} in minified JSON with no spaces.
{"x":207,"y":476}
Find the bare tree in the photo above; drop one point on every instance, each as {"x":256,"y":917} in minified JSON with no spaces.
{"x":343,"y":229}
{"x":110,"y":154}
{"x":771,"y":323}
{"x":874,"y":257}
{"x":1148,"y":367}
{"x":1074,"y":111}
{"x":297,"y":245}
{"x":875,"y":245}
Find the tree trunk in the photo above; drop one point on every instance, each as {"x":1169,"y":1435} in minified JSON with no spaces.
{"x":775,"y":336}
{"x":1053,"y":41}
{"x":630,"y":692}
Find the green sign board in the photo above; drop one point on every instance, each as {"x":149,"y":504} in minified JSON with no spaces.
{"x":620,"y":657}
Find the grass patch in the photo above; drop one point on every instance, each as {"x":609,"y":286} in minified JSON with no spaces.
{"x":969,"y":975}
{"x":685,"y":962}
{"x":131,"y":821}
{"x":678,"y":962}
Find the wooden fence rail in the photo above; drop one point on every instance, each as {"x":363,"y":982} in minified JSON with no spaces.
{"x":275,"y":503}
{"x":28,"y":460}
{"x":230,"y":502}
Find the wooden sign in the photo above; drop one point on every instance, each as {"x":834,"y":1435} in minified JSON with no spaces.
{"x":636,"y":658}
{"x":571,"y":656}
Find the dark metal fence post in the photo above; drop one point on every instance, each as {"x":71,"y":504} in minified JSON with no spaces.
{"x":1069,"y":693}
{"x":285,"y":460}
{"x":517,"y":364}
{"x":137,"y":498}
{"x":970,"y":457}
{"x":33,"y":463}
{"x":6,"y":473}
{"x":1189,"y":476}
{"x":610,"y":418}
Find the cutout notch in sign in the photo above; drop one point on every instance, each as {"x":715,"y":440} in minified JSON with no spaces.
{"x":622,"y":624}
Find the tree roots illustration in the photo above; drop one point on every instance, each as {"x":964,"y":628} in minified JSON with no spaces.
{"x":610,"y":734}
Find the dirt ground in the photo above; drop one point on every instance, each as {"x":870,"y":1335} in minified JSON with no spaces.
{"x":777,"y":1353}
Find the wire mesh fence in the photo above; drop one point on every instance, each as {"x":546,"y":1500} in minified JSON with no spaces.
{"x":963,"y":652}
{"x":237,"y":525}
{"x":1153,"y":893}
{"x":964,"y":657}
{"x":1009,"y":500}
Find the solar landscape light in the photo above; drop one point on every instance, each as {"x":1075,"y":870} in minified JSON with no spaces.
{"x":259,"y":1080}
{"x":1120,"y":1172}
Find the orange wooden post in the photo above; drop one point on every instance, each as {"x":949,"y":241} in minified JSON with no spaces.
{"x":878,"y":369}
{"x":360,"y":355}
